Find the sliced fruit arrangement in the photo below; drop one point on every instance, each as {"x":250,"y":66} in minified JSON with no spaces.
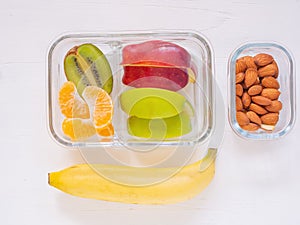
{"x":83,"y":180}
{"x":156,"y":113}
{"x":157,"y":64}
{"x":257,"y":104}
{"x":158,"y":68}
{"x":88,"y":73}
{"x":86,"y":65}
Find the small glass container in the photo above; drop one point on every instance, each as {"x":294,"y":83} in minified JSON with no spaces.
{"x":286,"y":79}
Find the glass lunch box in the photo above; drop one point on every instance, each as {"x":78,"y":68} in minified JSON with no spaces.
{"x":122,"y":147}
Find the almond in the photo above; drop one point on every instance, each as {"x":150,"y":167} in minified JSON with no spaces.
{"x":257,"y":81}
{"x":249,"y":60}
{"x":268,"y":70}
{"x":239,"y":90}
{"x":246,"y":99}
{"x":238,"y":103}
{"x":276,"y":68}
{"x":250,"y":77}
{"x":270,"y":118}
{"x":255,"y":90}
{"x":257,"y":109}
{"x":270,"y":82}
{"x":253,"y":117}
{"x":275,"y":106}
{"x":239,"y":77}
{"x":242,"y":118}
{"x":260,"y":100}
{"x":240,"y":66}
{"x":250,"y":127}
{"x":267,"y":127}
{"x":270,"y":93}
{"x":263,"y":59}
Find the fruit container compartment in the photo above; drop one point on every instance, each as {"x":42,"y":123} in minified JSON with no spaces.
{"x":285,"y":77}
{"x":199,"y":91}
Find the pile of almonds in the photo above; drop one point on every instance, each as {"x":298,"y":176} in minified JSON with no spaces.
{"x":257,"y":104}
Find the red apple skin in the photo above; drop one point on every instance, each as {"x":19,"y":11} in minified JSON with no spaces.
{"x":157,"y":51}
{"x":169,"y":78}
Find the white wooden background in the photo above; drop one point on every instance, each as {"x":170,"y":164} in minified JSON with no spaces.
{"x":255,"y":183}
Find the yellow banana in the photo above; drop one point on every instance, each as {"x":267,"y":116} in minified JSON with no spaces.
{"x":82,"y":180}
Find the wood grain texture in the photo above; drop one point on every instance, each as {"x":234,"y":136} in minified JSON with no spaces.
{"x":255,"y":183}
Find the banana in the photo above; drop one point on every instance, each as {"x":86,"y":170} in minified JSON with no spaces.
{"x":82,"y":180}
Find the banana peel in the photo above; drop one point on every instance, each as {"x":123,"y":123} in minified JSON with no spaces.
{"x":82,"y":180}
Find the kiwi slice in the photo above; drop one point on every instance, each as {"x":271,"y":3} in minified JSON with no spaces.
{"x":86,"y":65}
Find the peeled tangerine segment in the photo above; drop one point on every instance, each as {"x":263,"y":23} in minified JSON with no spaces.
{"x":86,"y":65}
{"x":78,"y":129}
{"x":160,"y":128}
{"x":100,"y":104}
{"x":71,"y":104}
{"x":152,"y":103}
{"x":106,"y":131}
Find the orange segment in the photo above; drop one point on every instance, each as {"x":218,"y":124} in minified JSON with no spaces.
{"x":100,"y":104}
{"x":103,"y":110}
{"x":71,"y":104}
{"x":106,"y":131}
{"x":78,"y":129}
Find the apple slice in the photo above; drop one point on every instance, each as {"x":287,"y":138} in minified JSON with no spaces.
{"x":157,"y":64}
{"x":170,"y":78}
{"x":156,"y":51}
